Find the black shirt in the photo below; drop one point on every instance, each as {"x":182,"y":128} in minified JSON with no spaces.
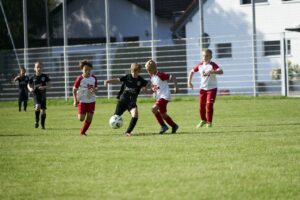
{"x":37,"y":81}
{"x":131,"y":87}
{"x":23,"y":81}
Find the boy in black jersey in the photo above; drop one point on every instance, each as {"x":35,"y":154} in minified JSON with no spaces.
{"x":23,"y":80}
{"x":38,"y":84}
{"x":130,"y":89}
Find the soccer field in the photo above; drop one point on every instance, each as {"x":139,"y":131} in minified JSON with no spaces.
{"x":252,"y":152}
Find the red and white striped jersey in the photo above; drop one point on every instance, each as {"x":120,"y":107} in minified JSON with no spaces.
{"x":83,"y":85}
{"x":160,"y":85}
{"x":207,"y":82}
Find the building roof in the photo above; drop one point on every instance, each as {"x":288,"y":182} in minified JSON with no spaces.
{"x":192,"y":8}
{"x":164,"y":8}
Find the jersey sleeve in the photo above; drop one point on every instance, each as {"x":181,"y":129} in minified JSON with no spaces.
{"x":144,"y":82}
{"x":47,"y":78}
{"x":123,"y":78}
{"x":77,"y":82}
{"x":96,"y":81}
{"x":163,"y":76}
{"x":214,"y":66}
{"x":196,"y":67}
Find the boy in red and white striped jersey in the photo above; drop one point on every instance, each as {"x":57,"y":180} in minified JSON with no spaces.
{"x":208,"y":88}
{"x":84,"y":96}
{"x":161,"y":88}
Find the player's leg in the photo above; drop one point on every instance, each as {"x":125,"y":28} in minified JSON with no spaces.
{"x":134,"y":118}
{"x":202,"y":108}
{"x":20,"y":105}
{"x":43,"y":115}
{"x":158,"y":116}
{"x":121,"y":107}
{"x":37,"y":107}
{"x":25,"y":105}
{"x":211,"y":97}
{"x":166,"y":117}
{"x":89,"y":108}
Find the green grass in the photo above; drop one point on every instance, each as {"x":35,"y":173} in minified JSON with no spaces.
{"x":252,"y":152}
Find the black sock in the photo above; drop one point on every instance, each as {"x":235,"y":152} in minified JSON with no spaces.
{"x":132,"y":124}
{"x":43,"y":118}
{"x":20,"y":105}
{"x":37,"y":116}
{"x":25,"y":105}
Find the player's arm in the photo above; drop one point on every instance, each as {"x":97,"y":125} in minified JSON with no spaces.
{"x":16,"y":78}
{"x":112,"y":81}
{"x":174,"y":80}
{"x":74,"y":92}
{"x":217,"y":71}
{"x":30,"y":87}
{"x":190,"y":77}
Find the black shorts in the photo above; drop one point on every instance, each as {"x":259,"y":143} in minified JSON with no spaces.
{"x":23,"y":96}
{"x":124,"y":105}
{"x":40,"y":99}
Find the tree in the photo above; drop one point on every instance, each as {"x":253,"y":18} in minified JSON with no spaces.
{"x":36,"y":17}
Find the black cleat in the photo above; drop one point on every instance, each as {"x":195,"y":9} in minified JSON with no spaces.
{"x":36,"y":125}
{"x":163,"y":129}
{"x":43,"y":127}
{"x":174,"y":128}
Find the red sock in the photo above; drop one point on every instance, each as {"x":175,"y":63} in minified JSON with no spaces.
{"x":169,"y":120}
{"x":209,"y":112}
{"x":85,"y":127}
{"x":159,"y":118}
{"x":203,"y":112}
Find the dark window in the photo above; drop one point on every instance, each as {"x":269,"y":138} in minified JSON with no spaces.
{"x":249,"y":1}
{"x":224,"y":50}
{"x":271,"y":48}
{"x":288,"y":43}
{"x":131,"y":39}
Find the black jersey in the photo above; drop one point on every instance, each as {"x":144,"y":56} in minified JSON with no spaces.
{"x":131,"y":87}
{"x":23,"y":81}
{"x":37,"y":81}
{"x":23,"y":90}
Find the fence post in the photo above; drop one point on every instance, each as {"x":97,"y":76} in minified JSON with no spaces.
{"x":107,"y":33}
{"x":66,"y":63}
{"x":284,"y":79}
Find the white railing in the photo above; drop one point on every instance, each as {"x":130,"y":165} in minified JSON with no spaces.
{"x":175,"y":57}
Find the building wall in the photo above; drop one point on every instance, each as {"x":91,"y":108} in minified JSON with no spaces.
{"x":86,"y":19}
{"x":230,"y":22}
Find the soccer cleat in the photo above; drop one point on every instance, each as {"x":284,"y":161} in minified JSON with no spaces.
{"x":209,"y":125}
{"x":36,"y":125}
{"x":128,"y":134}
{"x":43,"y":127}
{"x":163,"y":129}
{"x":83,"y":134}
{"x":174,"y":128}
{"x":201,"y":124}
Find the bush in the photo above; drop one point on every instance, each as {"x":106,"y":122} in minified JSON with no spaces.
{"x":293,"y":72}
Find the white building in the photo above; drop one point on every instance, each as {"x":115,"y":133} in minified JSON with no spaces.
{"x":228,"y":25}
{"x":128,"y":22}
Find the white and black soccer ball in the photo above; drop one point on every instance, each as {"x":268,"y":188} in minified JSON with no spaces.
{"x":115,"y":121}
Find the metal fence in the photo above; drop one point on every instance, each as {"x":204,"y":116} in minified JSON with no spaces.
{"x":243,"y":75}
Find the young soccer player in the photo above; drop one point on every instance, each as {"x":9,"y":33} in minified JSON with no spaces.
{"x":84,"y":96}
{"x":38,"y":84}
{"x":208,"y":88}
{"x":130,"y":89}
{"x":23,"y":80}
{"x":160,"y":86}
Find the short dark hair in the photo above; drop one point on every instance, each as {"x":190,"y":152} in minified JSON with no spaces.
{"x":83,"y":63}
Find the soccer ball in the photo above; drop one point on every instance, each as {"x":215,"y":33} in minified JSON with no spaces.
{"x":115,"y":121}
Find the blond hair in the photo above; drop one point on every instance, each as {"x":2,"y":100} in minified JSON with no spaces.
{"x":151,"y":64}
{"x":135,"y":67}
